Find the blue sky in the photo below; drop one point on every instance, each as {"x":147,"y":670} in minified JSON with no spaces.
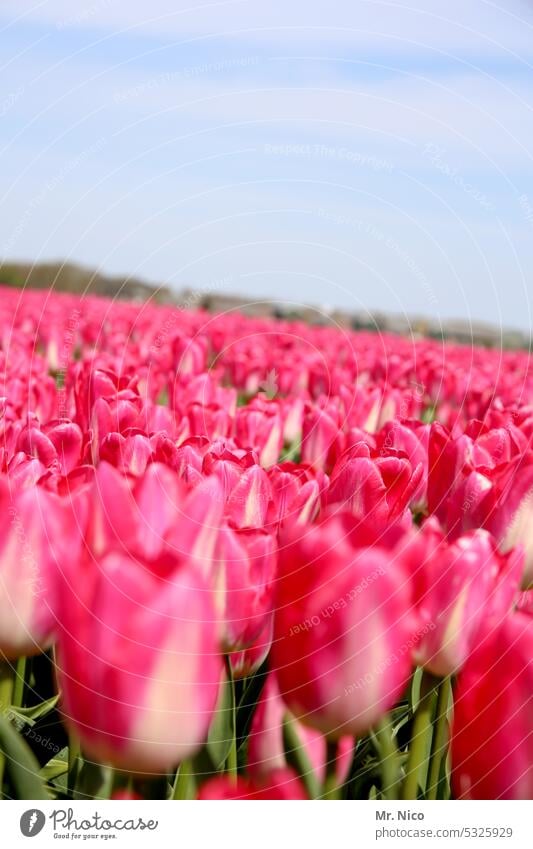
{"x":373,"y":155}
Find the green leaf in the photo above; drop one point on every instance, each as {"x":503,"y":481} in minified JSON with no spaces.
{"x":22,"y":765}
{"x":248,"y":703}
{"x":29,"y":715}
{"x":56,"y":766}
{"x":221,"y":732}
{"x":93,"y":781}
{"x":38,"y":711}
{"x":414,"y":692}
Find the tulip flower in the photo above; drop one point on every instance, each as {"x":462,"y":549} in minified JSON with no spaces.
{"x":295,"y":493}
{"x":35,"y":530}
{"x":248,"y":661}
{"x":322,"y":438}
{"x":138,"y":660}
{"x":492,"y":739}
{"x":380,"y":488}
{"x":244,"y":572}
{"x":259,"y":426}
{"x":343,"y":616}
{"x":459,"y":588}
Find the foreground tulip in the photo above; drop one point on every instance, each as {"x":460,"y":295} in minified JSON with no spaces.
{"x":139,"y":666}
{"x":492,"y":741}
{"x":34,"y":528}
{"x":343,"y":618}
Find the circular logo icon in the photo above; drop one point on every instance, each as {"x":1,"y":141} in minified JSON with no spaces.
{"x":32,"y":822}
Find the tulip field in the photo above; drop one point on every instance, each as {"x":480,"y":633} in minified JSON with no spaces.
{"x":250,"y":558}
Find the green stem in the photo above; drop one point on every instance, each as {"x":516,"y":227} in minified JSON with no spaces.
{"x":231,"y":760}
{"x":389,"y":760}
{"x":422,"y":728}
{"x":182,"y":783}
{"x":438,"y":745}
{"x":73,"y":763}
{"x":20,"y":680}
{"x":296,"y":755}
{"x":6,"y":695}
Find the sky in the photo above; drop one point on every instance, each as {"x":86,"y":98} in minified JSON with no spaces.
{"x":362,"y":154}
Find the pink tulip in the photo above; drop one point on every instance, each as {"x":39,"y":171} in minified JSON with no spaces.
{"x":322,"y":438}
{"x":380,"y":488}
{"x":459,"y":588}
{"x":259,"y":427}
{"x":492,"y":741}
{"x":248,"y":661}
{"x":245,"y":570}
{"x":508,"y":509}
{"x":138,"y":660}
{"x":280,"y":784}
{"x":34,"y":532}
{"x":343,"y":618}
{"x":249,"y":499}
{"x":295,"y":493}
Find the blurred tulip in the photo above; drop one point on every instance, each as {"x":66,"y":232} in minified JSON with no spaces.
{"x":138,"y":660}
{"x":266,"y":750}
{"x":248,"y":661}
{"x":492,"y":740}
{"x":322,"y":439}
{"x":380,"y":489}
{"x":343,"y":616}
{"x":35,"y":530}
{"x":259,"y":426}
{"x":459,"y":588}
{"x":280,"y":784}
{"x":244,"y":573}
